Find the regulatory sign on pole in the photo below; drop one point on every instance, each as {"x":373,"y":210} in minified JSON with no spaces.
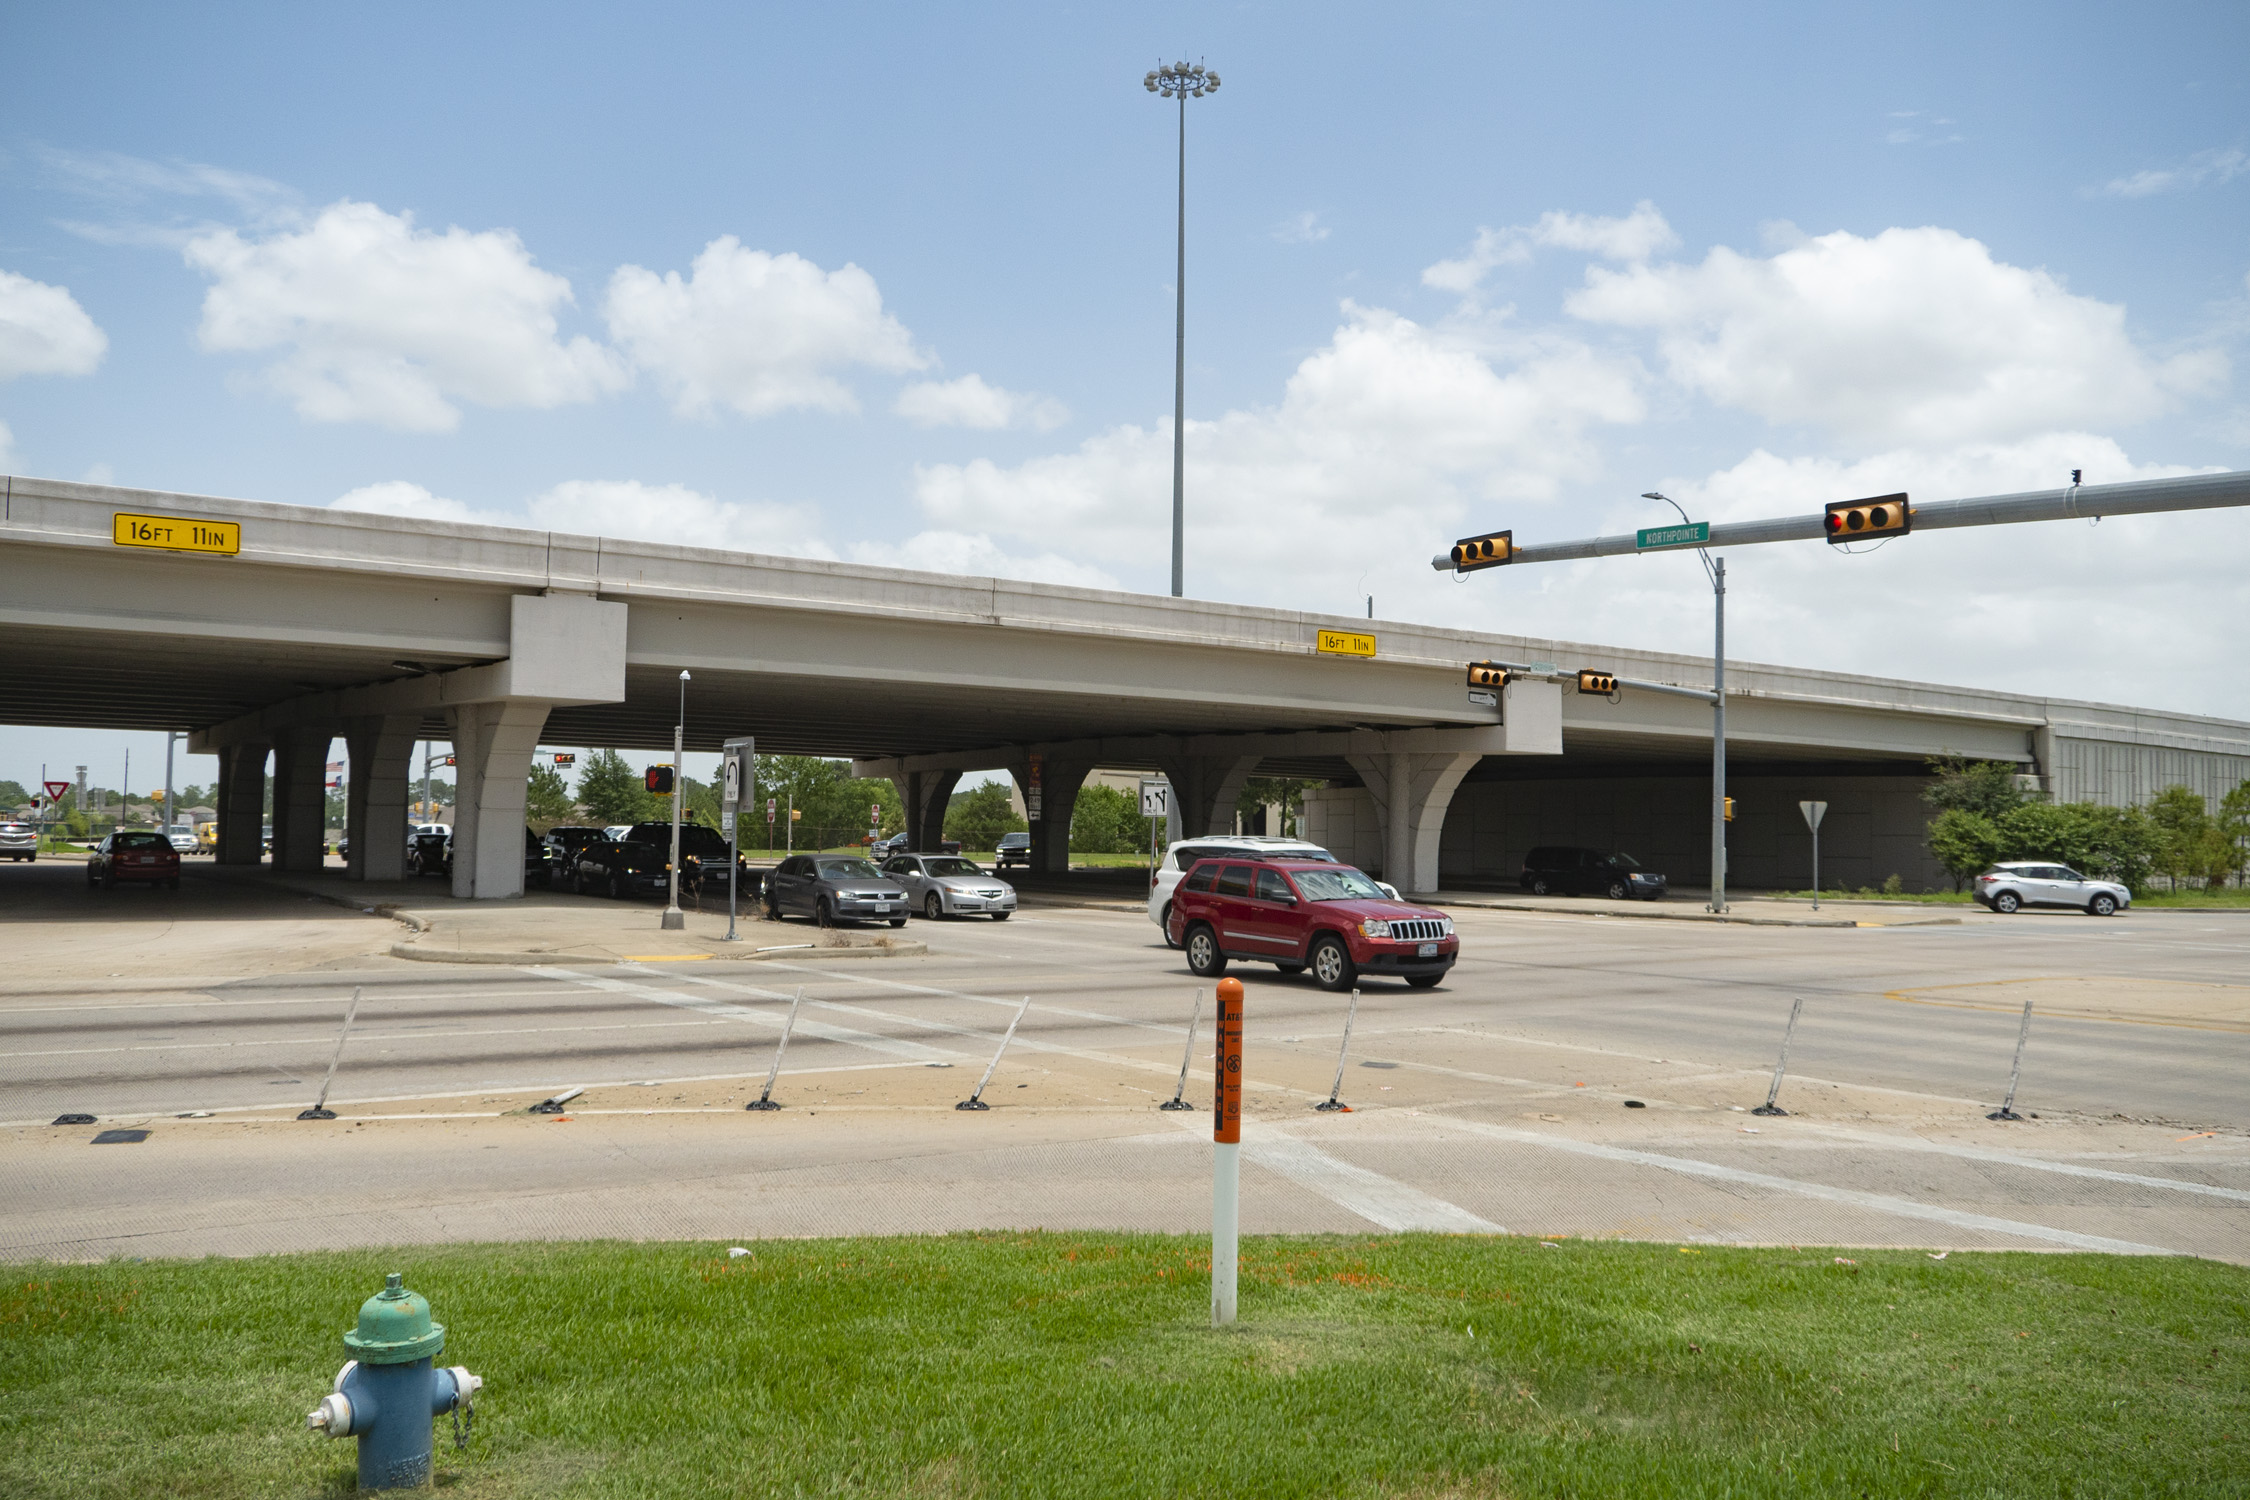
{"x":1156,"y":799}
{"x":55,"y":790}
{"x":1814,"y":812}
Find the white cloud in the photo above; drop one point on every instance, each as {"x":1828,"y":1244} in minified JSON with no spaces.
{"x":43,"y":330}
{"x":1301,"y":229}
{"x":1631,"y":239}
{"x":622,"y":508}
{"x":969,"y":402}
{"x":389,"y":324}
{"x":1380,"y":441}
{"x":1914,"y":336}
{"x":2204,"y":166}
{"x":754,"y":332}
{"x":978,"y":556}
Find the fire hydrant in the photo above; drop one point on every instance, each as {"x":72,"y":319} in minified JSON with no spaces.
{"x":388,"y":1393}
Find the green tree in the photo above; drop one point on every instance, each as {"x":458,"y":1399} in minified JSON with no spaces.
{"x":1965,"y":842}
{"x":2183,"y":833}
{"x":1289,"y":791}
{"x":2232,"y":826}
{"x":547,"y":799}
{"x":833,"y":801}
{"x":613,"y":792}
{"x":1986,"y":787}
{"x":1106,"y":820}
{"x":13,"y":795}
{"x":2116,"y":843}
{"x":979,"y":816}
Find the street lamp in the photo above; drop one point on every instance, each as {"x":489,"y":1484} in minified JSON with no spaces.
{"x":674,"y":918}
{"x":1715,"y":569}
{"x":1180,"y":81}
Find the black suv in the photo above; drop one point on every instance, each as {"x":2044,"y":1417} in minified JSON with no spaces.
{"x":1587,"y":872}
{"x":703,"y":851}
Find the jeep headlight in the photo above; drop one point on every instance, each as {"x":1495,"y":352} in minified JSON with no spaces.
{"x":1375,"y":927}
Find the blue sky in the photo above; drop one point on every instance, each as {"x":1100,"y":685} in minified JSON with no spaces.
{"x":895,"y":284}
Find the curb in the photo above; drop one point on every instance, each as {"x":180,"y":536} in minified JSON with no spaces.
{"x":550,"y":960}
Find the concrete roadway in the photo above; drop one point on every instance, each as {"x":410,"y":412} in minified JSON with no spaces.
{"x":1496,"y":1102}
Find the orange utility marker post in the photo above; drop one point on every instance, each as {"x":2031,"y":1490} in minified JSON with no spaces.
{"x":1226,"y":1152}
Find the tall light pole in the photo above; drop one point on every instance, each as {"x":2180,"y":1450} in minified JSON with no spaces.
{"x":674,"y":918}
{"x":1715,"y":569}
{"x":1180,"y":81}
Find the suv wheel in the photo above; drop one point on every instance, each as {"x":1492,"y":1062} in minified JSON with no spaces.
{"x":1205,"y":961}
{"x":1618,"y":890}
{"x":2006,"y":903}
{"x":616,"y":887}
{"x":2103,"y":905}
{"x":1332,"y":967}
{"x":1539,"y":885}
{"x":1164,"y":925}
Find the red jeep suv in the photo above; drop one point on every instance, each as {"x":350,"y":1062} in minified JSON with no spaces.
{"x":1298,"y":915}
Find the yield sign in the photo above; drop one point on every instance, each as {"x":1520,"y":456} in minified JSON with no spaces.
{"x":55,"y":789}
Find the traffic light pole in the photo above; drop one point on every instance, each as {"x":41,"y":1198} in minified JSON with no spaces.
{"x":1719,"y":735}
{"x":674,"y":919}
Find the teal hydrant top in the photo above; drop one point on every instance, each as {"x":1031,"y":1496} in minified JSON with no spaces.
{"x":395,"y":1327}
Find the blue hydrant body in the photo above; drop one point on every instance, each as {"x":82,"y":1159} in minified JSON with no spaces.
{"x":390,"y":1391}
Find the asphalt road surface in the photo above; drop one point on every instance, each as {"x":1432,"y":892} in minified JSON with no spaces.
{"x":1498,"y":1102}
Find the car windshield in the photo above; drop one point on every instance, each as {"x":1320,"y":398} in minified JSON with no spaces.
{"x":1343,"y":883}
{"x":952,"y":867}
{"x":697,"y":839}
{"x":1012,"y":840}
{"x":848,"y":869}
{"x":141,"y":841}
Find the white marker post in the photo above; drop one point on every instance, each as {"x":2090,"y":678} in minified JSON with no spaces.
{"x":1226,"y":1153}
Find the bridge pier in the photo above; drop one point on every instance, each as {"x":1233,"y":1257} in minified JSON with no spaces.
{"x":1059,"y":781}
{"x":300,"y":796}
{"x":1411,"y":792}
{"x":1204,"y":791}
{"x":492,"y":748}
{"x":381,"y":748}
{"x":242,"y":802}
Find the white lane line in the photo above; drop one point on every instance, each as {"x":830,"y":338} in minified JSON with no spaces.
{"x":820,"y":1029}
{"x":2036,"y":1164}
{"x":1374,"y":1197}
{"x":1877,"y":1202}
{"x":364,"y":1035}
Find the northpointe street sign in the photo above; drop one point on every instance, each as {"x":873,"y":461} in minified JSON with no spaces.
{"x":1692,"y":534}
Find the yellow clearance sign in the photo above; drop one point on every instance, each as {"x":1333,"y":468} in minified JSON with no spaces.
{"x":176,"y":533}
{"x":1343,"y":643}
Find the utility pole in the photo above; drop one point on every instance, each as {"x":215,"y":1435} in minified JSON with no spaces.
{"x":1180,"y":81}
{"x":674,"y":918}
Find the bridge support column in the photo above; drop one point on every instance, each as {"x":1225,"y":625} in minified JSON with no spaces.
{"x":1059,"y":782}
{"x":1204,"y":791}
{"x":927,"y":795}
{"x":492,"y":748}
{"x":242,"y":802}
{"x":300,"y":796}
{"x":1411,"y":792}
{"x":382,"y":754}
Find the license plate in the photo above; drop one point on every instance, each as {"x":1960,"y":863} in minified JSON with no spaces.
{"x":1427,"y":950}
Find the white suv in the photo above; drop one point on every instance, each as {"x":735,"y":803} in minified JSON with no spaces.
{"x":1181,"y":858}
{"x":2020,"y":883}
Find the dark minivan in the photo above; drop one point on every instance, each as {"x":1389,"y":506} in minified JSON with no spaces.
{"x":1589,"y":872}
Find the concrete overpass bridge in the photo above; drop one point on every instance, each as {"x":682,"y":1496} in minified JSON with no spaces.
{"x":325,"y":624}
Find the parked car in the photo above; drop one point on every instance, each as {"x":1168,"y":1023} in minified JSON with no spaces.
{"x":946,"y":885}
{"x":903,"y":843}
{"x":140,"y":857}
{"x":2020,"y":883}
{"x":19,"y":841}
{"x":1586,"y":872}
{"x":621,"y":868}
{"x":1182,"y":856}
{"x":1013,"y":849}
{"x":833,"y":888}
{"x":430,"y":854}
{"x":182,"y":838}
{"x":1297,"y":914}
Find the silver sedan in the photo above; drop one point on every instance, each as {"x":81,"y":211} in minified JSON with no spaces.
{"x":946,"y":885}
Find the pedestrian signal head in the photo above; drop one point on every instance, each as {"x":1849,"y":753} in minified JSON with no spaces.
{"x":660,"y":780}
{"x":1487,"y":674}
{"x":1885,"y":515}
{"x":1603,"y":683}
{"x":1487,"y":551}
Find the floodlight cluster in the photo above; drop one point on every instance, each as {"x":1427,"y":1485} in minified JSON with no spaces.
{"x":1180,"y":80}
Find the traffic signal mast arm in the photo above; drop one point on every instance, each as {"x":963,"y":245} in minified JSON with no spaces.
{"x":2076,"y":502}
{"x":1531,"y":672}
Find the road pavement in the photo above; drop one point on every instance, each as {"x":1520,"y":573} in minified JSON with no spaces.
{"x":1576,"y":1075}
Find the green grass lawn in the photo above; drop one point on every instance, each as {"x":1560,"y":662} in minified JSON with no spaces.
{"x":1083,"y":1365}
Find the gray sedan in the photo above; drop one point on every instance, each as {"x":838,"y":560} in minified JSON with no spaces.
{"x":946,"y":885}
{"x":833,"y":888}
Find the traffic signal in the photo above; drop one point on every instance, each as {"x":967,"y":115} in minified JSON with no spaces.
{"x":660,"y":780}
{"x":1487,"y":551}
{"x":1884,"y":515}
{"x":1602,"y":683}
{"x":1728,"y":814}
{"x":566,"y":759}
{"x":1487,"y":674}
